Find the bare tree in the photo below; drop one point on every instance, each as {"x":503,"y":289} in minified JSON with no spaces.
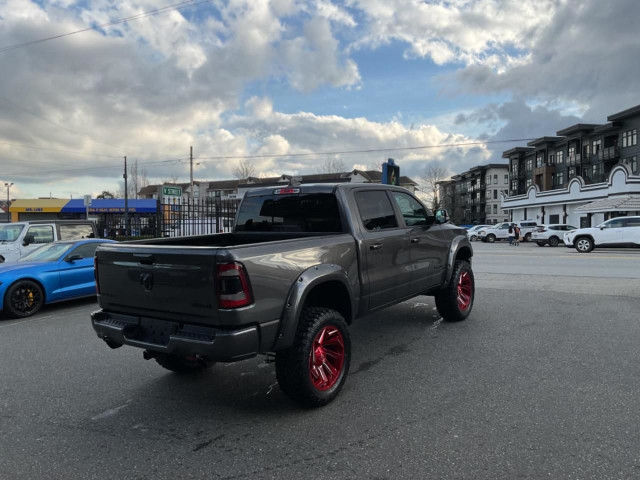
{"x":244,"y":169}
{"x":106,"y":194}
{"x":137,"y":179}
{"x":432,"y":175}
{"x":172,"y":180}
{"x":376,"y":166}
{"x":332,"y":165}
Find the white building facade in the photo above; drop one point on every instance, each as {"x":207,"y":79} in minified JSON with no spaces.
{"x":579,"y":204}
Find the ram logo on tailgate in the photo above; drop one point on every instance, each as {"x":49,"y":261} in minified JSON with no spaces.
{"x":146,"y":280}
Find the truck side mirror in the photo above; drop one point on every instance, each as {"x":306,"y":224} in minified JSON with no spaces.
{"x":441,"y":216}
{"x":28,"y":240}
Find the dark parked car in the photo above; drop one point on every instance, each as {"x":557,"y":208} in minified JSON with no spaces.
{"x":301,"y":264}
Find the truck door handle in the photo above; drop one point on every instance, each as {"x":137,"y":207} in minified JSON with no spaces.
{"x":375,"y":246}
{"x":415,"y":240}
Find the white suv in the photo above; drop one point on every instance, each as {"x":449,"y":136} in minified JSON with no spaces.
{"x":472,"y":233}
{"x":500,"y":231}
{"x":617,"y":232}
{"x":550,"y":235}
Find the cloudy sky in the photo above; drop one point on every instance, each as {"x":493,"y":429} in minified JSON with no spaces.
{"x":279,"y":77}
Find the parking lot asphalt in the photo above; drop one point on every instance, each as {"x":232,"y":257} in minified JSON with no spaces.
{"x":540,"y":382}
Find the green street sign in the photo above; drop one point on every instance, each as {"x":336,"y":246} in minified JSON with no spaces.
{"x":172,"y":191}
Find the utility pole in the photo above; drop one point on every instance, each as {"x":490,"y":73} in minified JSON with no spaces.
{"x":191,"y":167}
{"x":126,"y":201}
{"x":8,"y":185}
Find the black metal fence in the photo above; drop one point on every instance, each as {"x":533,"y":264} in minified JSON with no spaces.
{"x":177,"y":218}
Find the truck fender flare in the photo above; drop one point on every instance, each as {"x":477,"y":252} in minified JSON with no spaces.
{"x":306,"y":281}
{"x":458,"y":243}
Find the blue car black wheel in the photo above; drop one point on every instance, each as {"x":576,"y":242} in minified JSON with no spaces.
{"x":23,"y":298}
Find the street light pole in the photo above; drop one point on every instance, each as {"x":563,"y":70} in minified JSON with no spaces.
{"x":8,"y":185}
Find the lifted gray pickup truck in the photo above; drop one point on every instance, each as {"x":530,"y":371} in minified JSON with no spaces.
{"x":302,"y":263}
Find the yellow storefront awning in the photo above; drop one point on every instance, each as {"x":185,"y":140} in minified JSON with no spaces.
{"x":48,"y":205}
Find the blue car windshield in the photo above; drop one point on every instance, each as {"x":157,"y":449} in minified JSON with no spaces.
{"x":47,"y":253}
{"x":10,"y":233}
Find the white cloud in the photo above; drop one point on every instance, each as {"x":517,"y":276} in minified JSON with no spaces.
{"x":489,"y":32}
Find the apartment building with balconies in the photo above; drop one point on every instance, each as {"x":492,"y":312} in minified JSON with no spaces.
{"x":473,"y":197}
{"x":579,"y":159}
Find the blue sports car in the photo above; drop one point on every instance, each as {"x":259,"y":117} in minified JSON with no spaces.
{"x":52,"y":273}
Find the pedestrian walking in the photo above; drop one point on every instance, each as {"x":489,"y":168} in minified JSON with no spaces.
{"x":516,"y":235}
{"x":511,"y":234}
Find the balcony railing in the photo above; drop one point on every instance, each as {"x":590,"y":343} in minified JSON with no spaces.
{"x":573,"y":160}
{"x":608,"y":154}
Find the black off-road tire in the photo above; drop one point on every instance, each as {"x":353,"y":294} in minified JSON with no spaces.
{"x":583,"y":244}
{"x":491,"y":238}
{"x":182,"y":365}
{"x":293,"y":370}
{"x":447,"y":300}
{"x":554,"y":241}
{"x":16,"y":295}
{"x":473,"y":238}
{"x":527,"y":237}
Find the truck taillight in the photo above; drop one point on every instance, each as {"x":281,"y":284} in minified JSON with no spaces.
{"x":233,"y":286}
{"x":95,"y":273}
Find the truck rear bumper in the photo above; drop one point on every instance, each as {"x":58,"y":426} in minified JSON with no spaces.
{"x":217,"y":344}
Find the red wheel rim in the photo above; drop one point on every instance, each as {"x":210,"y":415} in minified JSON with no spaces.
{"x":465,"y":285}
{"x":326,"y":358}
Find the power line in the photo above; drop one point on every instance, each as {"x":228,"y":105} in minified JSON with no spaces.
{"x":168,"y":8}
{"x":372,"y":150}
{"x":180,"y":160}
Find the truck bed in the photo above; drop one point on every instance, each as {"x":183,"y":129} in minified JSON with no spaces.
{"x":176,"y":279}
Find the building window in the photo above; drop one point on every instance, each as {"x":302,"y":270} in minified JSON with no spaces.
{"x":559,"y":157}
{"x":558,"y":179}
{"x":506,"y":178}
{"x":495,"y":194}
{"x":529,"y":182}
{"x":552,"y":159}
{"x":514,"y":187}
{"x":495,"y":209}
{"x":495,"y":179}
{"x":630,"y":138}
{"x":572,"y":151}
{"x":632,"y":162}
{"x":572,"y":172}
{"x":529,"y":164}
{"x":539,"y":160}
{"x":488,"y":194}
{"x":488,"y":180}
{"x":596,"y":170}
{"x":595,"y":146}
{"x":514,"y":169}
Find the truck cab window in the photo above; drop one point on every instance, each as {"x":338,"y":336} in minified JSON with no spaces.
{"x":375,"y":210}
{"x":412,"y":212}
{"x":316,"y":212}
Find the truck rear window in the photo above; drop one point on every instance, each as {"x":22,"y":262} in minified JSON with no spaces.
{"x":313,"y":212}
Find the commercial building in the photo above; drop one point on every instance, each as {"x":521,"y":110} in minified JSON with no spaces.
{"x":584,"y":175}
{"x":70,"y":209}
{"x":474,"y":197}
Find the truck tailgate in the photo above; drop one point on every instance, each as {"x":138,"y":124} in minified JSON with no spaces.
{"x":172,"y":283}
